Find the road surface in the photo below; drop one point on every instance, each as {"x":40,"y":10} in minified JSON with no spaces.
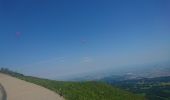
{"x":17,"y":89}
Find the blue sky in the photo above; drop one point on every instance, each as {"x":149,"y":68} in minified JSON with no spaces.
{"x":59,"y":38}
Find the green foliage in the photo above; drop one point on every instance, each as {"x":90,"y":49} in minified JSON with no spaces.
{"x":153,"y":88}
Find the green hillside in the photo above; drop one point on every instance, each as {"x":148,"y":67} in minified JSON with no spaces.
{"x":82,"y":90}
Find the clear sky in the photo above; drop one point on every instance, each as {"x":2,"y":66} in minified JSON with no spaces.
{"x":58,"y":38}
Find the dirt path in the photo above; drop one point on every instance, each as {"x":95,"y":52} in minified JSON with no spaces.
{"x":20,"y":90}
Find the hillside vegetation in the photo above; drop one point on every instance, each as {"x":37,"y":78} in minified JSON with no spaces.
{"x":153,"y":88}
{"x":81,"y":90}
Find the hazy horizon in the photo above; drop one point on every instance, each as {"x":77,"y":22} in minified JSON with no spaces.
{"x":60,"y":38}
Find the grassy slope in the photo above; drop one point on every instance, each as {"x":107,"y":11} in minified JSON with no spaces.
{"x":79,"y":90}
{"x":84,"y":90}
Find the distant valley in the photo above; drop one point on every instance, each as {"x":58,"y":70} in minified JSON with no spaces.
{"x":149,"y":71}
